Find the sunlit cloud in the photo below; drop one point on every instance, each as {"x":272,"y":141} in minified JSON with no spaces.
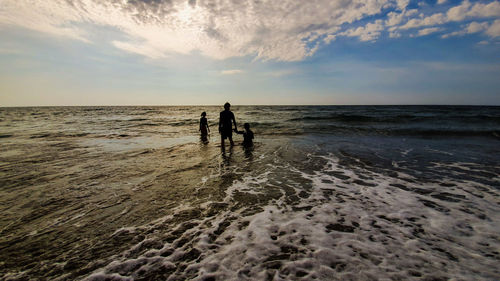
{"x":287,"y":30}
{"x":231,"y":71}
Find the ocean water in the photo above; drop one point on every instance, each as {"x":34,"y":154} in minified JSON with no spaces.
{"x":327,"y":193}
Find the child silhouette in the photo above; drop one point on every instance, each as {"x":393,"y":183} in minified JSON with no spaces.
{"x":247,"y":135}
{"x":204,"y":129}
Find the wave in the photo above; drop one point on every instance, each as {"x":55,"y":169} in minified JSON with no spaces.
{"x":57,"y":135}
{"x":449,"y":133}
{"x":414,"y":132}
{"x":404,"y":118}
{"x":137,"y":119}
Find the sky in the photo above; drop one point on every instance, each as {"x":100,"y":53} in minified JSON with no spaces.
{"x":207,"y":52}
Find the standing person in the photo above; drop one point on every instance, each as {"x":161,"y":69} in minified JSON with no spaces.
{"x":204,"y":129}
{"x":225,"y":125}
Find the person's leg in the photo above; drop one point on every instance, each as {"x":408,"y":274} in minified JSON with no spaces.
{"x":222,"y":142}
{"x":231,"y":140}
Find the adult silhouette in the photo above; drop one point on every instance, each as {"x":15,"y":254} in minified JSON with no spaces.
{"x":226,"y":121}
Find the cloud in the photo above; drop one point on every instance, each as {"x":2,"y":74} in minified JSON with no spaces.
{"x":473,"y":27}
{"x":458,"y":13}
{"x":464,"y":11}
{"x":141,"y":49}
{"x":287,"y":30}
{"x":435,"y":19}
{"x":394,"y":34}
{"x":51,"y":19}
{"x":231,"y":72}
{"x":494,"y":29}
{"x":394,"y":18}
{"x":369,"y":32}
{"x":427,"y":31}
{"x":402,"y":4}
{"x":478,"y":10}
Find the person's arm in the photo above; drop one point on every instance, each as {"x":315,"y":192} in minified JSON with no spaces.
{"x":201,"y":124}
{"x":208,"y":128}
{"x":234,"y":121}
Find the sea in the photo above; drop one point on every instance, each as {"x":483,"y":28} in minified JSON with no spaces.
{"x":326,"y":193}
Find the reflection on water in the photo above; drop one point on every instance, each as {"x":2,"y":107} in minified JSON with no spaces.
{"x":248,"y":152}
{"x":204,"y":139}
{"x":226,"y":155}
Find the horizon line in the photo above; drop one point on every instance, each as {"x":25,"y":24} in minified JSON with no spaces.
{"x":221,"y":105}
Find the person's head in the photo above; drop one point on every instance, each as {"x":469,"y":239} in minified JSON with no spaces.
{"x":227,"y":106}
{"x":203,"y":114}
{"x":246,"y":126}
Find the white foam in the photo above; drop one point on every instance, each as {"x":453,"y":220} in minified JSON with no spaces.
{"x":357,"y":228}
{"x":123,"y":230}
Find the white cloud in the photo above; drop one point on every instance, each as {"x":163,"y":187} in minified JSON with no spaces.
{"x":478,"y":10}
{"x":141,"y":49}
{"x":287,"y":30}
{"x":464,"y":11}
{"x":50,"y":19}
{"x":394,"y":18}
{"x":439,"y":2}
{"x":231,"y":72}
{"x":411,"y":12}
{"x":394,"y":34}
{"x":402,"y":4}
{"x":329,"y":38}
{"x":427,"y":31}
{"x":494,"y":29}
{"x":434,"y":19}
{"x":472,"y":27}
{"x":369,"y":32}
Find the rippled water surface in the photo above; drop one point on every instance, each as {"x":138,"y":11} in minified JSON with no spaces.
{"x":327,"y":193}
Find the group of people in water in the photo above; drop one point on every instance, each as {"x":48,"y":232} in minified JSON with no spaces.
{"x":226,"y":121}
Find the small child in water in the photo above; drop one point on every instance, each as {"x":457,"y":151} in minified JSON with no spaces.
{"x":204,"y":129}
{"x":247,"y":135}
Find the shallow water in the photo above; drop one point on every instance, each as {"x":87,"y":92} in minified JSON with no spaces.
{"x":327,"y":193}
